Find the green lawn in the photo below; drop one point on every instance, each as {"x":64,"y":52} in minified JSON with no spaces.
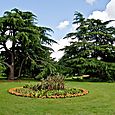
{"x":99,"y":101}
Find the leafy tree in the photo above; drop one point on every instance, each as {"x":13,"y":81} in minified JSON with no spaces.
{"x":2,"y":68}
{"x":94,"y":46}
{"x":27,"y":42}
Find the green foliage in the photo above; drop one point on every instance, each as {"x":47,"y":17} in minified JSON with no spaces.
{"x":28,"y":55}
{"x":100,"y":69}
{"x":2,"y":70}
{"x":48,"y":93}
{"x":47,"y":69}
{"x":55,"y":82}
{"x":92,"y":51}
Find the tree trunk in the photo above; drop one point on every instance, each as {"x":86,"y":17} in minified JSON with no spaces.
{"x":20,"y":68}
{"x":11,"y":68}
{"x":11,"y":73}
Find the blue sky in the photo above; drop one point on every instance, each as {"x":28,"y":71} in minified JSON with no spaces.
{"x":51,"y":12}
{"x":58,"y":14}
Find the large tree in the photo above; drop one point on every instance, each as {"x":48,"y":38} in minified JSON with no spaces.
{"x":27,"y":42}
{"x":92,"y":51}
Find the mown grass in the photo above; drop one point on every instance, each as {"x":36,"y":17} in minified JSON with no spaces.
{"x":99,"y":101}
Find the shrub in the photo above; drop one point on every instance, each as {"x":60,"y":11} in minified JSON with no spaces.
{"x":102,"y":71}
{"x":51,"y":83}
{"x":55,"y":82}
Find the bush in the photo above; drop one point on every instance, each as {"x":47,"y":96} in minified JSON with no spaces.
{"x":2,"y":70}
{"x":102,"y":71}
{"x":55,"y":82}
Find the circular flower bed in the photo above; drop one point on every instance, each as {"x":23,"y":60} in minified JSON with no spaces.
{"x":52,"y":87}
{"x":27,"y":92}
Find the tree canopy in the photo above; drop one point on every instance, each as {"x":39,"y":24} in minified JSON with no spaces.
{"x":92,"y":51}
{"x":28,"y":53}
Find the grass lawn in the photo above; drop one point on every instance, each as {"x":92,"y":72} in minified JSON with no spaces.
{"x":99,"y":101}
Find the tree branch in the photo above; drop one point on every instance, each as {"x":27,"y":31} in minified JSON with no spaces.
{"x":7,"y":64}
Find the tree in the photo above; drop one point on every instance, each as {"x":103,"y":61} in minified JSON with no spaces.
{"x":27,"y":41}
{"x":2,"y":68}
{"x":93,"y":47}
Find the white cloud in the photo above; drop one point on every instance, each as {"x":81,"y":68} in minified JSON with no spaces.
{"x":73,"y":28}
{"x":63,"y":24}
{"x":107,"y":14}
{"x":61,"y":44}
{"x":99,"y":15}
{"x":90,"y":1}
{"x":110,"y":9}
